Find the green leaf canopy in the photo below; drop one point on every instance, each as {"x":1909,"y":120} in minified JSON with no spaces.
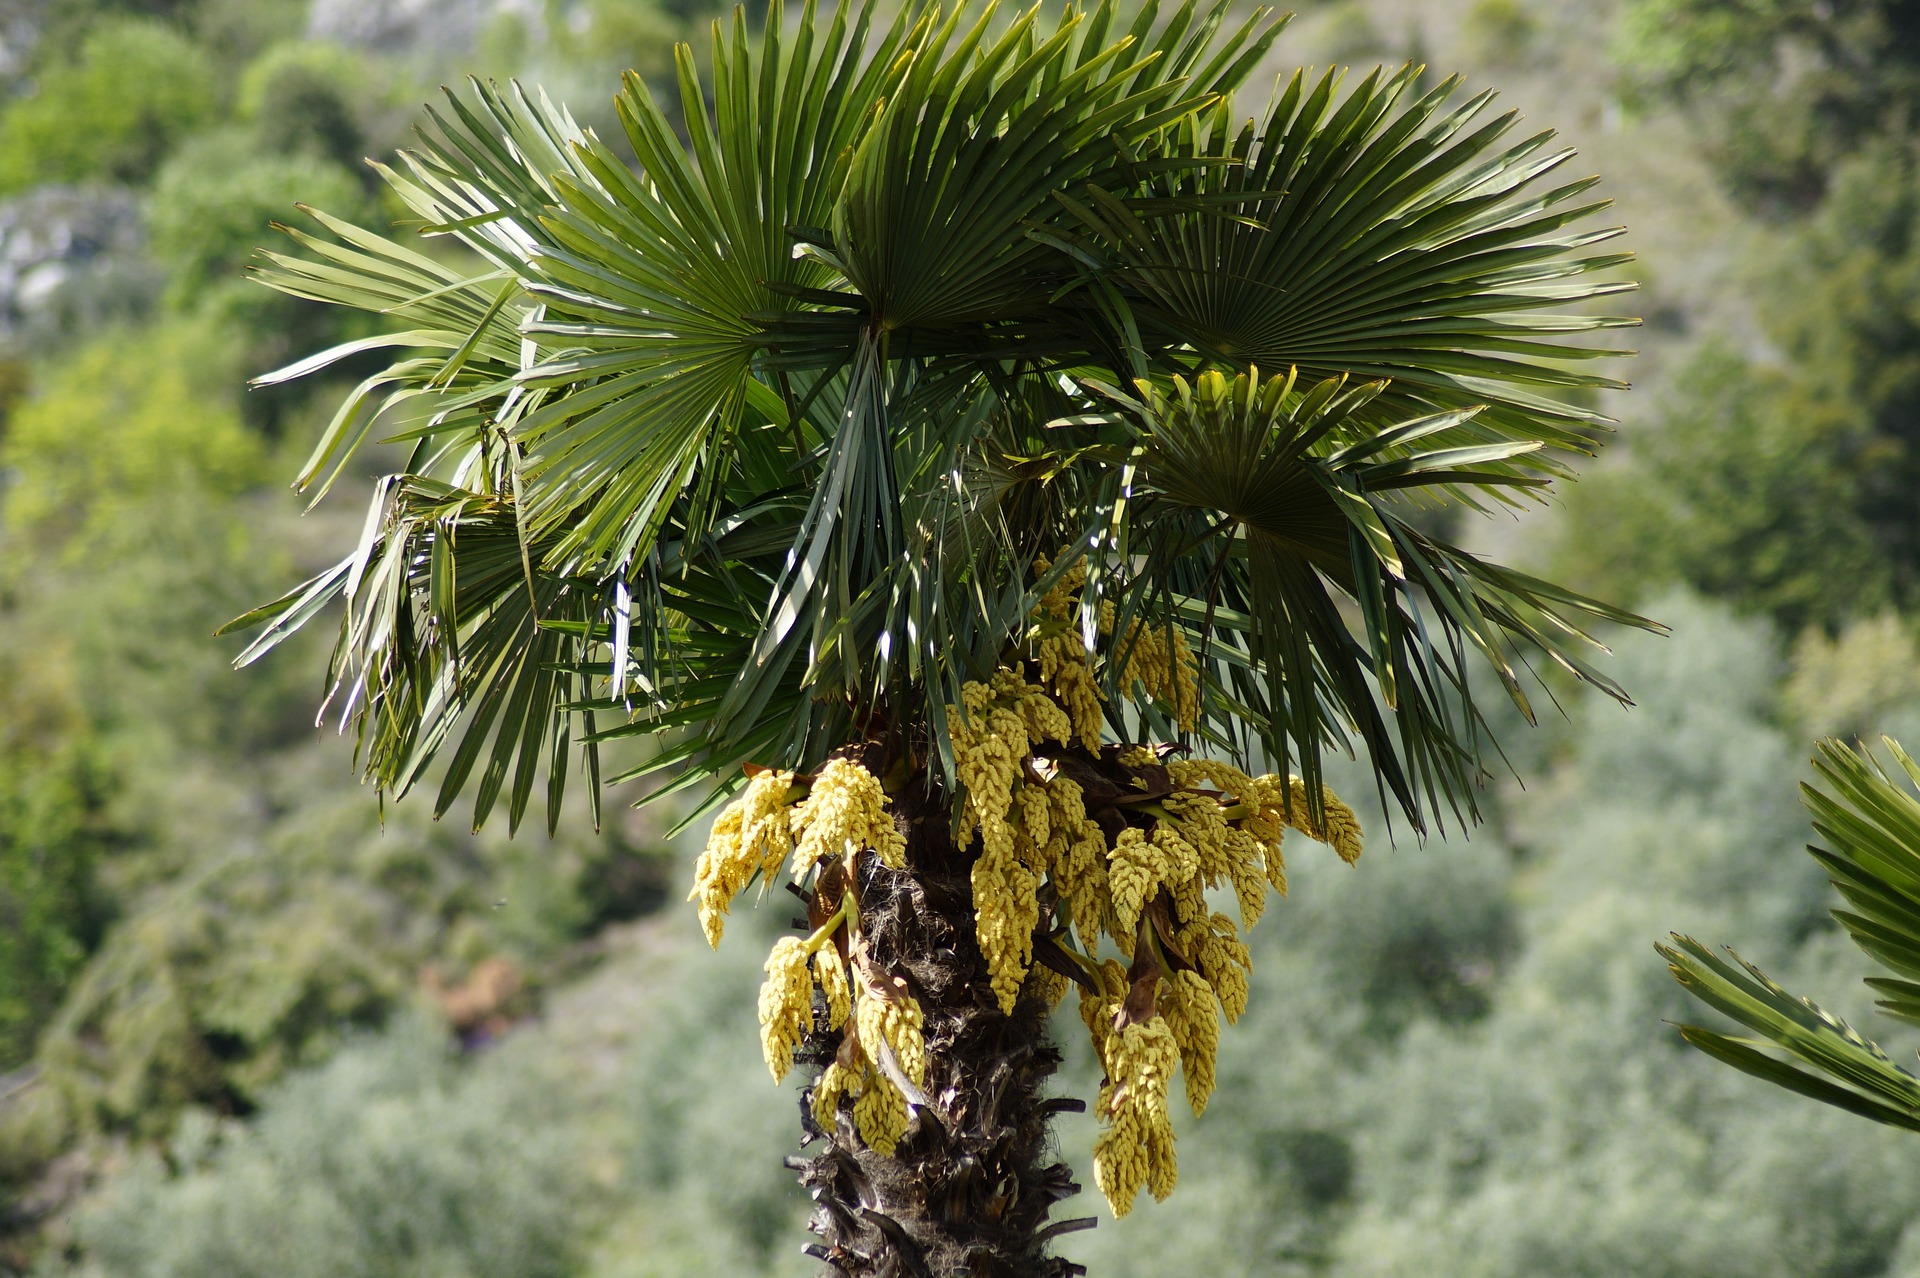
{"x":751,"y":448}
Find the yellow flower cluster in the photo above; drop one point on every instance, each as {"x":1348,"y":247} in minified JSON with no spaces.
{"x":1340,"y":829}
{"x":1137,"y":1147}
{"x":752,"y":835}
{"x":1171,"y":831}
{"x":1063,"y":657}
{"x":880,"y":1113}
{"x":1187,"y":1005}
{"x":1165,"y":668}
{"x":1076,"y":855}
{"x":831,"y":975}
{"x":1002,"y":721}
{"x":880,"y":1017}
{"x":836,"y":1081}
{"x":786,"y":1004}
{"x":1219,"y":827}
{"x":894,"y":1019}
{"x":846,"y":811}
{"x":1139,"y":1057}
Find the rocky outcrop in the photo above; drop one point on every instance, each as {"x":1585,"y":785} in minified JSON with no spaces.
{"x":71,"y":257}
{"x":432,"y":26}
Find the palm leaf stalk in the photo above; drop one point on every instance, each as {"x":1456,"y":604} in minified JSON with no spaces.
{"x":1868,"y":815}
{"x":956,"y":461}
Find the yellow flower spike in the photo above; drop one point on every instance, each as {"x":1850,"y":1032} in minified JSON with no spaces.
{"x":1138,"y":1147}
{"x":1080,"y":871}
{"x":1276,"y":866}
{"x":719,"y":875}
{"x":1046,"y":984}
{"x":1059,"y":602}
{"x":1097,"y":1008}
{"x":880,"y":1114}
{"x":1036,"y":816}
{"x":846,"y":809}
{"x":831,"y":973}
{"x":1192,"y":1013}
{"x":988,"y":748}
{"x":1214,"y":945}
{"x":1168,"y":673}
{"x":1193,"y":773}
{"x":1198,"y":824}
{"x":766,"y":827}
{"x":751,"y":833}
{"x":1004,"y":717}
{"x":1179,"y":860}
{"x":1068,"y":801}
{"x":1064,"y":658}
{"x":1163,"y":1168}
{"x":1133,"y":873}
{"x":894,"y":1019}
{"x":1045,"y":720}
{"x":1082,"y":876}
{"x":1341,"y":828}
{"x":1190,"y":908}
{"x":1077,"y":689}
{"x":1120,"y":1164}
{"x":786,"y":1004}
{"x":836,"y":1081}
{"x":1247,"y":870}
{"x":1138,"y":757}
{"x":1006,"y":910}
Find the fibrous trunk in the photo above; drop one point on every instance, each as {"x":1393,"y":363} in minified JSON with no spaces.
{"x":971,"y":1186}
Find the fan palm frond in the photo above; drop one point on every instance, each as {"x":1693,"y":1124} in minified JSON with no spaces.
{"x":1870,"y":821}
{"x":776,"y":425}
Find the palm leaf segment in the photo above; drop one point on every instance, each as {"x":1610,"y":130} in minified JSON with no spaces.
{"x":1870,"y":822}
{"x":751,"y":450}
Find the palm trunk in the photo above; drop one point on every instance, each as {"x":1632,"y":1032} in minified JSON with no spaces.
{"x":969,"y":1189}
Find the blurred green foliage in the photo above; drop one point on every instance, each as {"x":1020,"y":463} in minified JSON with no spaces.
{"x":391,"y":1160}
{"x":214,"y":201}
{"x":136,"y":418}
{"x":52,"y":910}
{"x":1785,"y":479}
{"x":1735,"y":489}
{"x":1783,"y":90}
{"x":311,"y":99}
{"x":129,"y":93}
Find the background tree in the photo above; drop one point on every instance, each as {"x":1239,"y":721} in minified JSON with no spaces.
{"x":901,"y":435}
{"x":1785,"y":444}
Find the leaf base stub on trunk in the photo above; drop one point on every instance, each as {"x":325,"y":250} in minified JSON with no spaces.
{"x":969,"y":1187}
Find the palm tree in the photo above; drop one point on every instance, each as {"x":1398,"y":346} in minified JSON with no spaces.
{"x":1869,"y":815}
{"x":958,"y":455}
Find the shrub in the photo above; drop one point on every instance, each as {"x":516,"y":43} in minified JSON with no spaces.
{"x":392,"y":1161}
{"x":215,"y":201}
{"x":134,"y":89}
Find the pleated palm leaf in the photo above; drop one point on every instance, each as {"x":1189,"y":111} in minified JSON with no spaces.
{"x":972,"y":418}
{"x":1869,"y":817}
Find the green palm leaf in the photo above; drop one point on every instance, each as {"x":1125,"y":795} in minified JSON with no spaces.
{"x":752,"y":449}
{"x":1270,"y":516}
{"x":1871,"y":819}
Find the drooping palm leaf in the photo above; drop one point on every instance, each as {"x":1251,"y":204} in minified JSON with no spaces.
{"x":775,"y":427}
{"x":1268,"y":515}
{"x":1870,"y":821}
